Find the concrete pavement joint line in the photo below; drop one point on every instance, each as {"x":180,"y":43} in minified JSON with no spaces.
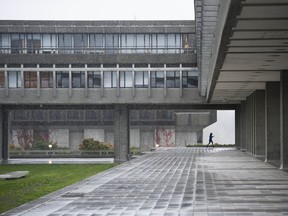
{"x":176,"y":181}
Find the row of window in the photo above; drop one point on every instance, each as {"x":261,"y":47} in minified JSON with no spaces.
{"x":96,"y":43}
{"x":81,"y":115}
{"x":94,"y":79}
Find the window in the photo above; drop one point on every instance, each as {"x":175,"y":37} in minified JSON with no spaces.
{"x":126,"y":79}
{"x":74,"y":115}
{"x":65,"y":43}
{"x":190,"y":79}
{"x":30,"y":79}
{"x":14,"y":79}
{"x":17,"y":43}
{"x":92,"y":114}
{"x":38,"y":115}
{"x":140,"y":43}
{"x":2,"y":79}
{"x":80,"y":43}
{"x":94,"y":79}
{"x":62,"y":79}
{"x":55,"y":115}
{"x":49,"y":43}
{"x":173,"y":79}
{"x":19,"y":115}
{"x":33,"y":43}
{"x":78,"y":79}
{"x":4,"y":43}
{"x":173,"y":43}
{"x":110,"y":79}
{"x":141,"y":79}
{"x":127,"y":43}
{"x":46,"y":79}
{"x":111,"y":43}
{"x":188,"y":43}
{"x":157,"y":79}
{"x":164,"y":115}
{"x":161,"y":43}
{"x":146,"y":114}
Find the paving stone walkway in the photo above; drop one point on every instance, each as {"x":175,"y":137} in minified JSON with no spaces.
{"x":176,"y":181}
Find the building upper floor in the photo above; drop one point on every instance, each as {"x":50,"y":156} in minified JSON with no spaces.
{"x":95,"y":62}
{"x":97,"y":37}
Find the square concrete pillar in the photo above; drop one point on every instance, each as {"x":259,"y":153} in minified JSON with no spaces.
{"x":272,"y":125}
{"x":121,"y":133}
{"x":284,"y":120}
{"x":249,"y":122}
{"x":4,"y":117}
{"x":238,"y":127}
{"x":243,"y":126}
{"x":259,"y":123}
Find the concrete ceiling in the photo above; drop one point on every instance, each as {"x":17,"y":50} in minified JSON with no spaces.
{"x":255,"y":52}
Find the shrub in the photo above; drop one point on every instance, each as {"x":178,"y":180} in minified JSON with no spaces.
{"x":43,"y":145}
{"x":91,"y":144}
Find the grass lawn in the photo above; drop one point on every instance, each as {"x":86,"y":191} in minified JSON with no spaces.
{"x":42,"y":179}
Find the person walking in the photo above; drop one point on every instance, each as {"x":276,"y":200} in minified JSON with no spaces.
{"x":210,"y":140}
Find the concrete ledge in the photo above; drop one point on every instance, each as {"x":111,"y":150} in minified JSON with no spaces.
{"x":14,"y":175}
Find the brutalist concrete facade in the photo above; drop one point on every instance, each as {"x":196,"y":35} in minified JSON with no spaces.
{"x":97,"y":65}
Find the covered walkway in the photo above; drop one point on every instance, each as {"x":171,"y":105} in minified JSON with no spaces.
{"x":176,"y":181}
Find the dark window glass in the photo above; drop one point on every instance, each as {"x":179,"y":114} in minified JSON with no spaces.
{"x":157,"y":79}
{"x":46,"y":79}
{"x":94,"y":79}
{"x":75,"y":115}
{"x":108,"y":115}
{"x":173,"y":79}
{"x":38,"y":115}
{"x":78,"y":80}
{"x":146,"y":114}
{"x":55,"y":115}
{"x":189,"y":80}
{"x":92,"y":114}
{"x":20,"y":115}
{"x":33,"y":43}
{"x":17,"y":43}
{"x":62,"y":79}
{"x":164,"y":115}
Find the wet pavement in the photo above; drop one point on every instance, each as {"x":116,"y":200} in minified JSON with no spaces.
{"x":176,"y":181}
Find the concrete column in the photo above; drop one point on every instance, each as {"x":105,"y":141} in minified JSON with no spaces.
{"x":272,"y":131}
{"x":249,"y":125}
{"x":260,"y":123}
{"x":238,"y":127}
{"x":4,"y":116}
{"x":121,"y":133}
{"x":284,"y":120}
{"x":243,"y":126}
{"x":253,"y":119}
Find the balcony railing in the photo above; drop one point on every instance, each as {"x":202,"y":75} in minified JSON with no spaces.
{"x":95,"y":50}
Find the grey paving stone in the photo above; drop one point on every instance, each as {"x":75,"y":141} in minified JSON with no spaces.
{"x":176,"y":181}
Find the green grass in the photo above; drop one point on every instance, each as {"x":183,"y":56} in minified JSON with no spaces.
{"x":42,"y":179}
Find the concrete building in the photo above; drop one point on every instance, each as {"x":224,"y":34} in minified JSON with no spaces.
{"x":122,"y":82}
{"x":242,"y":55}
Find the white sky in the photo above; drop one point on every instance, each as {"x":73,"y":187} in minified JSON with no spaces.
{"x":97,"y":9}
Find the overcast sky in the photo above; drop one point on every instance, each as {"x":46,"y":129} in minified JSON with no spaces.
{"x":97,"y":9}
